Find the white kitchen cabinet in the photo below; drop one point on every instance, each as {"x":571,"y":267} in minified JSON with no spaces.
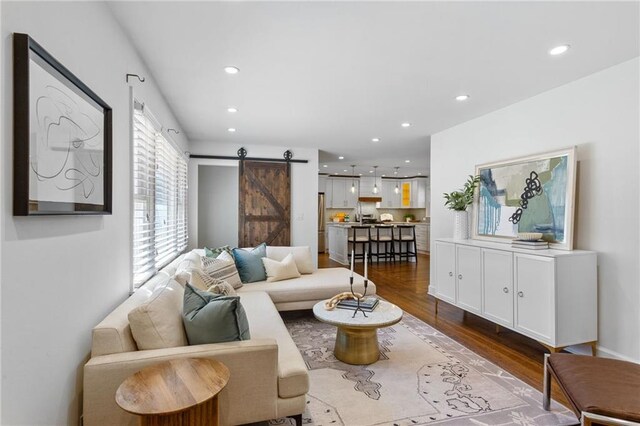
{"x":390,"y":199}
{"x":422,"y":237}
{"x":535,"y":306}
{"x":328,"y":193}
{"x":469,"y":277}
{"x":341,"y":195}
{"x":547,"y":295}
{"x":445,"y":264}
{"x":322,"y":183}
{"x":497,"y":270}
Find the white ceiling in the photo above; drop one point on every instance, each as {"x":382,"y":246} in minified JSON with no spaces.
{"x":333,"y":75}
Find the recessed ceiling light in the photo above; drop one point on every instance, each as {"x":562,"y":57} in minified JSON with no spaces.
{"x":344,"y":170}
{"x":370,"y":171}
{"x":419,"y":173}
{"x":406,"y":124}
{"x":406,"y":176}
{"x":232,"y":109}
{"x":341,"y":158}
{"x":324,"y":165}
{"x":384,"y":175}
{"x":375,"y":140}
{"x":462,"y":98}
{"x":559,"y":50}
{"x":335,"y":173}
{"x":359,"y":174}
{"x":231,"y":70}
{"x":407,"y":161}
{"x":231,"y":129}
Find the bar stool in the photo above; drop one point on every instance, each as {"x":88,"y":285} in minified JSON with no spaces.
{"x":383,"y":235}
{"x":406,"y":234}
{"x":360,"y":235}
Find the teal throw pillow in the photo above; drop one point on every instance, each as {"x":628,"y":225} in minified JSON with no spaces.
{"x":249,"y":263}
{"x":215,"y":252}
{"x":213,"y":318}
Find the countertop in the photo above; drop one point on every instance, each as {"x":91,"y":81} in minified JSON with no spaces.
{"x":350,"y":224}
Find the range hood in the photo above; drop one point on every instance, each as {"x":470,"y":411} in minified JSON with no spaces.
{"x":370,"y":199}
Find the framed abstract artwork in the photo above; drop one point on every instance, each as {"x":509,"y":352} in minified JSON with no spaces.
{"x":62,"y":138}
{"x":529,"y":194}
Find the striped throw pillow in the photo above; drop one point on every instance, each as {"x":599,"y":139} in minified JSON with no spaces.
{"x":223,"y":270}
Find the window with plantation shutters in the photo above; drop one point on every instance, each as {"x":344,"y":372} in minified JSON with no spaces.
{"x":159,"y":198}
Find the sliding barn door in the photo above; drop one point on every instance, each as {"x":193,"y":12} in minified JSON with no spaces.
{"x":265,"y":204}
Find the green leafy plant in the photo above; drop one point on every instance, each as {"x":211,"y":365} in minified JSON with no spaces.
{"x":460,"y":200}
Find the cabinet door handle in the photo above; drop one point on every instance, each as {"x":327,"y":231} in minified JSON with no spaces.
{"x":520,"y":294}
{"x":506,"y":290}
{"x":460,"y":276}
{"x":450,"y":274}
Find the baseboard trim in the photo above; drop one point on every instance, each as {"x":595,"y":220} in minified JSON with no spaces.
{"x":608,"y":353}
{"x":603,"y":352}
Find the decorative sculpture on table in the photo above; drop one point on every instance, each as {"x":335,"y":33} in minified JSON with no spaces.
{"x":333,"y":302}
{"x":358,"y":296}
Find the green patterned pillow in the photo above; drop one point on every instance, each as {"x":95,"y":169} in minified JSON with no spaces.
{"x":215,"y":252}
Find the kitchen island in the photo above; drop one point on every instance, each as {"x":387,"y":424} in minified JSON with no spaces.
{"x":339,"y":247}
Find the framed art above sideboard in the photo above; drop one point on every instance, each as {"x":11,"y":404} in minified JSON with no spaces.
{"x":62,"y":138}
{"x":535,"y":193}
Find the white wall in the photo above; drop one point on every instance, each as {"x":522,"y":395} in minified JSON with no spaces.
{"x":62,"y":275}
{"x":304,"y":187}
{"x":218,"y":205}
{"x":600,"y":114}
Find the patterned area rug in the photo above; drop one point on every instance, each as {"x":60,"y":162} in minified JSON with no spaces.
{"x":422,"y":377}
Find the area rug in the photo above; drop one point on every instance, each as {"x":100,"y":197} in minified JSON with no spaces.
{"x":422,"y":377}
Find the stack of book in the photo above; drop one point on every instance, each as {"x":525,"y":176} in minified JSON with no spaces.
{"x":367,"y":304}
{"x":531,"y":245}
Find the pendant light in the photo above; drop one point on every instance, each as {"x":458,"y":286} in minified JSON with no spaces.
{"x":353,"y":178}
{"x":375,"y":181}
{"x":396,"y":189}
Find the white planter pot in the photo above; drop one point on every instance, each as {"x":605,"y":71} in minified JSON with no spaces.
{"x":461,"y":225}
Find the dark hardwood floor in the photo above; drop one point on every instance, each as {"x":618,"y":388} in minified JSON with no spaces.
{"x":406,"y":284}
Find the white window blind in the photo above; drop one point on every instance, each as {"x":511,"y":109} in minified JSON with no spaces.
{"x":159,"y":198}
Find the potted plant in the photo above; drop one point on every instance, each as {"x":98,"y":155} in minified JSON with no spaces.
{"x":458,"y":201}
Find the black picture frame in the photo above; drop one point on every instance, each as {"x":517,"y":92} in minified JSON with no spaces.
{"x":72,"y":173}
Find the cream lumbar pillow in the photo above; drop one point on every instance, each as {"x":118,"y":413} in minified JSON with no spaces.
{"x":301,"y":255}
{"x":278,"y":271}
{"x":157,"y":324}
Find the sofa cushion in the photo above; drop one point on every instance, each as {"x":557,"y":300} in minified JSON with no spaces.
{"x":213,"y":318}
{"x":249,"y":263}
{"x":157,"y":323}
{"x":323,"y":284}
{"x":191,"y":260}
{"x":265,"y":323}
{"x":278,"y":271}
{"x":301,"y":255}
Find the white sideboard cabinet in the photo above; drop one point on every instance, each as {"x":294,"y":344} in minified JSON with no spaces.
{"x":548,"y":295}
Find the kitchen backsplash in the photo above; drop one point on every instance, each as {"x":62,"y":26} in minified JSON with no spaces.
{"x":370,"y":208}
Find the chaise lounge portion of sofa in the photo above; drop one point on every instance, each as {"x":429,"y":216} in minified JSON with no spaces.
{"x":269,"y":377}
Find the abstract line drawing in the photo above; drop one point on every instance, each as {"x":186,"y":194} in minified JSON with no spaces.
{"x":532,"y":194}
{"x":62,"y":138}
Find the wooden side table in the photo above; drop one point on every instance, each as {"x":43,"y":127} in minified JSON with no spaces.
{"x":178,"y":392}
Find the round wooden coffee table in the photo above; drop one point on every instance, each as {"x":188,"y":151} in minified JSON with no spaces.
{"x":357,"y":338}
{"x":177,"y":392}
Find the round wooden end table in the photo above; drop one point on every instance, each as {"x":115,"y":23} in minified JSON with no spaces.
{"x":357,"y":338}
{"x":177,"y":392}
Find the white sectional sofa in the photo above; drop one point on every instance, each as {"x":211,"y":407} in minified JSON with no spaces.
{"x":268,"y":375}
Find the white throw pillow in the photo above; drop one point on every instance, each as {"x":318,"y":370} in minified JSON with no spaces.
{"x":278,"y":271}
{"x":301,"y":255}
{"x":191,"y":260}
{"x":157,"y":324}
{"x":222,"y":268}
